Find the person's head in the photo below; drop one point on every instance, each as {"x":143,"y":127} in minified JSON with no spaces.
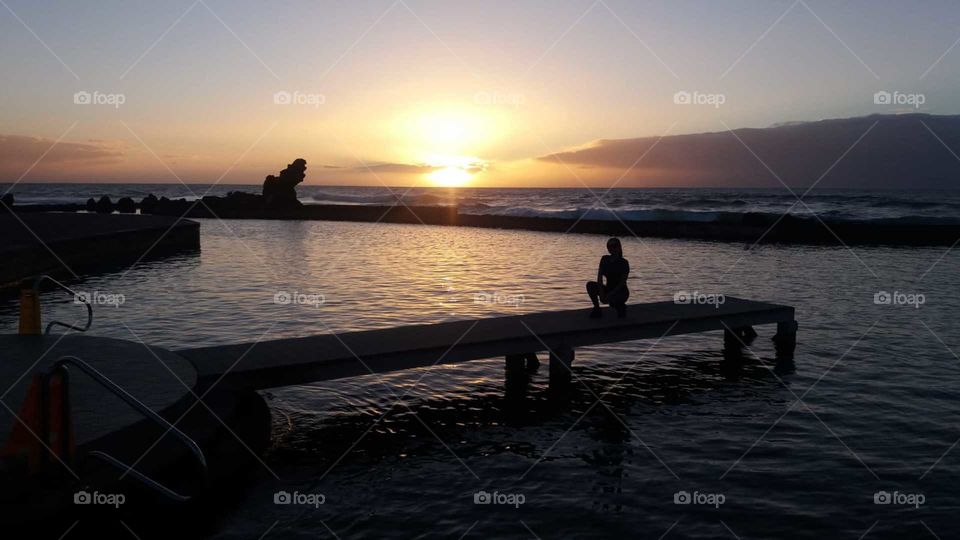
{"x":614,"y":247}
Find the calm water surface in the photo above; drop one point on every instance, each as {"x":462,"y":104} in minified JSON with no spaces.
{"x":871,"y":402}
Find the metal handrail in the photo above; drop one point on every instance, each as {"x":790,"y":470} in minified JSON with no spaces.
{"x":61,"y":364}
{"x":76,"y":296}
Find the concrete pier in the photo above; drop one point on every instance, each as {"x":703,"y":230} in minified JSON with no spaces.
{"x":294,"y":361}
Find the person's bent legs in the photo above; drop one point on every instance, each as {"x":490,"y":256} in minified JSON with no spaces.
{"x":593,"y":290}
{"x":621,"y":310}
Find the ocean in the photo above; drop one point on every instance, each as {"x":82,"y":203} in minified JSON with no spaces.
{"x":629,"y":204}
{"x":854,"y":438}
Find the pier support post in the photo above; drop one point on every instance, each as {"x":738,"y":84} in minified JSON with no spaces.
{"x":515,"y":362}
{"x":737,"y":338}
{"x":519,"y":362}
{"x":730,"y":340}
{"x":561,"y":362}
{"x":532,"y":361}
{"x":785,"y":342}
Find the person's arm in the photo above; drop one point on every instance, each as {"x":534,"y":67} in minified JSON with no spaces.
{"x":600,"y":286}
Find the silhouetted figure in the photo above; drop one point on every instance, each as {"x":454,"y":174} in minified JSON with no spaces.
{"x":280,"y":191}
{"x":611,"y":284}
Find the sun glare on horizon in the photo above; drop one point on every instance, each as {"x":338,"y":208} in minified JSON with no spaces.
{"x":446,"y":138}
{"x":450,"y":177}
{"x":453,"y":171}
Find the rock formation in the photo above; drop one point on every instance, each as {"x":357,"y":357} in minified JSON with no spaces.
{"x":126,"y":205}
{"x":280,"y":192}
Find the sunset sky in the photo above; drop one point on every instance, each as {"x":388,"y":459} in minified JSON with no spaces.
{"x":435,"y":93}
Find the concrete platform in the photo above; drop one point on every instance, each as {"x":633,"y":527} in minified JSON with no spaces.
{"x":37,"y":243}
{"x":96,"y":412}
{"x":302,"y":360}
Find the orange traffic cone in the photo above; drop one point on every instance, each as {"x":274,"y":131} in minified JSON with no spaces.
{"x":29,"y":310}
{"x":23,"y":444}
{"x":59,"y":423}
{"x":44,"y":425}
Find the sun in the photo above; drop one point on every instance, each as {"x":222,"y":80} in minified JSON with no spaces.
{"x":453,"y":171}
{"x":450,"y":177}
{"x":445,"y":138}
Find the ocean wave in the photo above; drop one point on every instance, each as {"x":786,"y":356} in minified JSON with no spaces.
{"x":694,"y":216}
{"x":605,"y":214}
{"x":419,"y":199}
{"x":354,"y":199}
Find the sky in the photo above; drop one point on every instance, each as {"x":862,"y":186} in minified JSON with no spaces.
{"x":407,"y":92}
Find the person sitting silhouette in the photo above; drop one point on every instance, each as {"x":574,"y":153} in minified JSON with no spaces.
{"x":614,"y":292}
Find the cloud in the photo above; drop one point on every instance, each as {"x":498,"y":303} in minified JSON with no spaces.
{"x":23,"y":151}
{"x":879,"y":151}
{"x":402,"y":168}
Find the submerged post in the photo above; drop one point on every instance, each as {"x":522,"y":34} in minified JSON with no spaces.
{"x":520,"y":362}
{"x":561,"y":362}
{"x":738,"y":338}
{"x":785,"y":342}
{"x":514,"y":362}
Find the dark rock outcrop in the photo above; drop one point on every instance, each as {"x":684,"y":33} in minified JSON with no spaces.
{"x":148,"y":203}
{"x":280,"y":192}
{"x":126,"y":206}
{"x":104,"y":205}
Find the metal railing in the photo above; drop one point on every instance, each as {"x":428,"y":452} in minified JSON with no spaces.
{"x":103,"y":380}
